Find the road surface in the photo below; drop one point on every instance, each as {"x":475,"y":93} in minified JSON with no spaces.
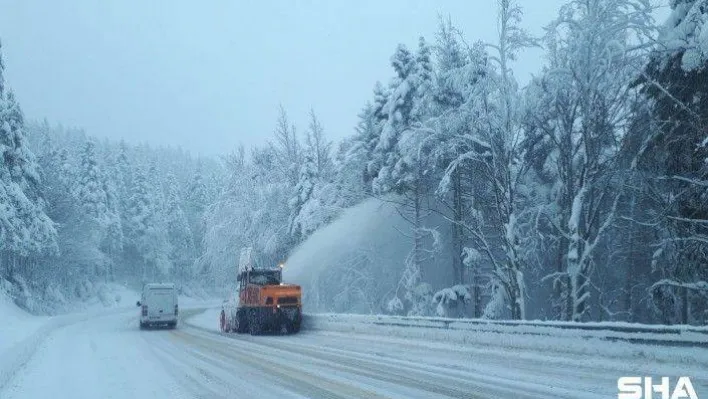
{"x":109,"y":357}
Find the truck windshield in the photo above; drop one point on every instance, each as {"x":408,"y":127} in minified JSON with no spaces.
{"x":265,"y":278}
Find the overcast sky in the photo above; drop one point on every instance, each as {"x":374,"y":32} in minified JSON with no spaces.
{"x":209,"y":75}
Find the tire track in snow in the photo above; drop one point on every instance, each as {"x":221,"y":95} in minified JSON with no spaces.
{"x":405,"y":374}
{"x":584,"y":380}
{"x":423,"y":377}
{"x":299,"y":380}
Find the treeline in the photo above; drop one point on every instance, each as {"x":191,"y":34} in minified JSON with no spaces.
{"x":581,"y":196}
{"x":123,"y":213}
{"x":76,"y":213}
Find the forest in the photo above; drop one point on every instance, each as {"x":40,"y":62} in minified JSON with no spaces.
{"x":580,"y":196}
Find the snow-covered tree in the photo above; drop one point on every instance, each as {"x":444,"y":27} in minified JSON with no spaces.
{"x":287,"y":148}
{"x":369,"y":139}
{"x":400,"y":158}
{"x":304,"y":194}
{"x":196,"y":204}
{"x":179,"y":234}
{"x":112,"y":243}
{"x":92,"y":200}
{"x":146,"y":234}
{"x":503,"y":166}
{"x":671,"y":155}
{"x":479,"y":134}
{"x":458,"y":71}
{"x":25,"y":228}
{"x":89,"y":189}
{"x":123,"y":175}
{"x":581,"y":107}
{"x":317,"y":144}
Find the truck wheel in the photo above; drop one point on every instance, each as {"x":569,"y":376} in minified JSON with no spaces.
{"x":239,"y":323}
{"x":254,"y":325}
{"x":222,"y":322}
{"x":293,"y":328}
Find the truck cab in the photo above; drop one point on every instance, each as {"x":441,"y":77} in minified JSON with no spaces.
{"x":264,"y":303}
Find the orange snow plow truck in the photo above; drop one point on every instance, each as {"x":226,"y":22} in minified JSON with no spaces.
{"x":264,"y":302}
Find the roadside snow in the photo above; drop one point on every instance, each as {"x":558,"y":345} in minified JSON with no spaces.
{"x":104,"y":356}
{"x":186,"y":302}
{"x":521,"y":337}
{"x":110,"y":296}
{"x":16,"y":323}
{"x":119,"y":296}
{"x":209,"y":319}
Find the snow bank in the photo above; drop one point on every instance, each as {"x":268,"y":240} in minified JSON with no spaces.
{"x":684,"y":343}
{"x":21,"y":333}
{"x":16,"y":324}
{"x":19,"y":342}
{"x":186,"y":302}
{"x":120,"y":296}
{"x":208,"y":319}
{"x":109,"y":296}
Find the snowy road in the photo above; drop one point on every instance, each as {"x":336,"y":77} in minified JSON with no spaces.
{"x":108,"y":357}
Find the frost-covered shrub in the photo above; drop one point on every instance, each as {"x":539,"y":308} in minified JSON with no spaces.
{"x":497,"y":306}
{"x":395,"y":306}
{"x":420,"y":299}
{"x":451,"y":302}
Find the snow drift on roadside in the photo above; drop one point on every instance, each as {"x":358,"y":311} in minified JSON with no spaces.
{"x":209,"y":319}
{"x":16,"y":323}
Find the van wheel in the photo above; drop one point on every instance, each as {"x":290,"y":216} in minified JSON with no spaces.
{"x":142,"y":325}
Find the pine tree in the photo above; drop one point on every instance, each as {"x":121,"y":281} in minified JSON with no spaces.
{"x":89,"y":188}
{"x":304,"y":193}
{"x":113,"y":237}
{"x":458,"y":74}
{"x":196,"y":204}
{"x":123,"y":176}
{"x":369,"y":129}
{"x":286,"y":148}
{"x":178,"y":233}
{"x":197,"y":192}
{"x":399,"y":116}
{"x":25,"y":227}
{"x":353,"y":156}
{"x":146,"y":237}
{"x":673,"y":154}
{"x":317,"y":145}
{"x":400,"y":153}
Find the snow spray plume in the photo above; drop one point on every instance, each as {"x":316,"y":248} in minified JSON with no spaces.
{"x":365,"y":237}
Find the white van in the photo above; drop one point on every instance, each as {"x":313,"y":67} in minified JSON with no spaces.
{"x":158,"y":305}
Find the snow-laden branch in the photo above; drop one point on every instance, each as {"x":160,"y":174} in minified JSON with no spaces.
{"x":701,"y":286}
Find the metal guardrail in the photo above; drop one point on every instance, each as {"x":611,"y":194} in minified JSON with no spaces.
{"x":670,"y":336}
